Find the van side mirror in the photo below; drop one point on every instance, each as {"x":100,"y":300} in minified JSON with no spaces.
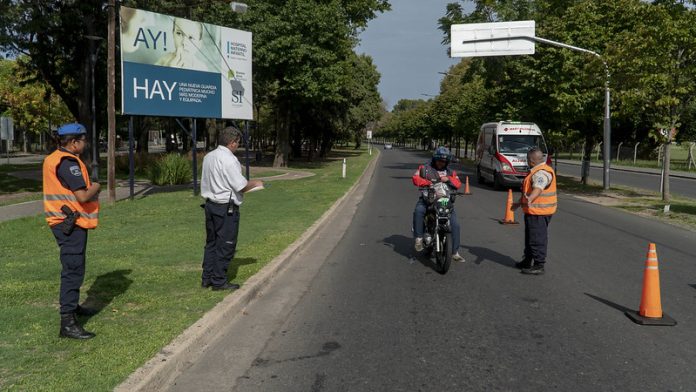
{"x":491,"y":150}
{"x":551,"y":150}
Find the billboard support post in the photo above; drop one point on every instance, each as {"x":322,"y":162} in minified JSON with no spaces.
{"x":246,"y":145}
{"x":131,"y":159}
{"x":194,"y":156}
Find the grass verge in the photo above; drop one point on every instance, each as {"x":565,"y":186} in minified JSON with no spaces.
{"x":143,"y":272}
{"x":682,"y":210}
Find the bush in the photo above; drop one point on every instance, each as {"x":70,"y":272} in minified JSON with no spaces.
{"x":170,"y":169}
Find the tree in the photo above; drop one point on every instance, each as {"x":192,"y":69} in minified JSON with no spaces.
{"x":51,"y":37}
{"x":31,"y":104}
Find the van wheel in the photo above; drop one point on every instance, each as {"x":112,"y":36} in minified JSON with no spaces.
{"x":479,"y":176}
{"x":497,"y":184}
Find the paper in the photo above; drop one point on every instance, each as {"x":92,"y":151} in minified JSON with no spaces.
{"x":256,"y":188}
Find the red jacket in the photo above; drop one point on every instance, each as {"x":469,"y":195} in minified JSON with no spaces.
{"x":426,"y":174}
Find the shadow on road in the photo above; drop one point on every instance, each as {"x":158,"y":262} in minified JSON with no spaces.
{"x":105,"y":288}
{"x":482,"y":254}
{"x":614,"y":305}
{"x":400,"y":244}
{"x":404,"y":246}
{"x":693,"y":285}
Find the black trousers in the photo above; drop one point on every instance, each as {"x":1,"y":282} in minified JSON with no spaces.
{"x":72,"y":258}
{"x":221,"y":229}
{"x":536,"y":238}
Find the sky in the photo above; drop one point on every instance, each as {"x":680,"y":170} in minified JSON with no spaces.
{"x":405,"y":45}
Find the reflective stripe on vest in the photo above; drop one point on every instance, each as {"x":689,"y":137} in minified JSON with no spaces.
{"x":56,"y":195}
{"x":547,"y":202}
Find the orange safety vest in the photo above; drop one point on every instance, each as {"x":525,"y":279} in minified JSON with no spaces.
{"x":56,"y":195}
{"x":547,"y":201}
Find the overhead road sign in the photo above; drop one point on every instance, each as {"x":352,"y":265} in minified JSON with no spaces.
{"x":492,"y":39}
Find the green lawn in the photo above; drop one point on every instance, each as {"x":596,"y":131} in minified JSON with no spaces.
{"x":143,"y":270}
{"x":646,"y":203}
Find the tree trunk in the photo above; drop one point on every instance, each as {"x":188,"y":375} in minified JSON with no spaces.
{"x":586,"y":159}
{"x":282,"y":150}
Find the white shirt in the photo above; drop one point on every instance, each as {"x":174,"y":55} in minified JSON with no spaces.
{"x":222,"y":177}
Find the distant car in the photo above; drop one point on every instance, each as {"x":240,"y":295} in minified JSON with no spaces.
{"x":387,"y":146}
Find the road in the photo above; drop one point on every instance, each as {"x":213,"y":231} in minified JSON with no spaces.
{"x":678,"y":186}
{"x":373,"y":316}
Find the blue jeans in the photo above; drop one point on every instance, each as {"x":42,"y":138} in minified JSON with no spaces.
{"x":419,"y":225}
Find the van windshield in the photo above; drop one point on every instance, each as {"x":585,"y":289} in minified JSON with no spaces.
{"x":519,"y":144}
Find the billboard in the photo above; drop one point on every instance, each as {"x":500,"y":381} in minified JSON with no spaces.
{"x":182,"y":68}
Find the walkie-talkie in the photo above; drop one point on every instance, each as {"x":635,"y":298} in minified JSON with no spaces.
{"x":69,"y":222}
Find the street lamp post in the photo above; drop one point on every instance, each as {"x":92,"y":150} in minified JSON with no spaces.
{"x":607,"y":94}
{"x":93,"y":39}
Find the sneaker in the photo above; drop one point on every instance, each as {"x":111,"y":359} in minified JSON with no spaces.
{"x":536,"y":269}
{"x":458,"y":257}
{"x":419,"y":244}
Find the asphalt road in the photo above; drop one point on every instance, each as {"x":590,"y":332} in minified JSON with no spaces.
{"x":375,"y":317}
{"x":678,"y":186}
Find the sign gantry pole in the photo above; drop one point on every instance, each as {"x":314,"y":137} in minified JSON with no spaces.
{"x":512,"y":33}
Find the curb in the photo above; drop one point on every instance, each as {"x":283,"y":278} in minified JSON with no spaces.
{"x":161,"y":370}
{"x":636,"y":170}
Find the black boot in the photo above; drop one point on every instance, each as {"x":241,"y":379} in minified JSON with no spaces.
{"x":69,"y":328}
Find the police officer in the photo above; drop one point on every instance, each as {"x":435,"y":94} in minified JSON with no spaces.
{"x":539,"y":203}
{"x":223,"y":187}
{"x":71,"y":208}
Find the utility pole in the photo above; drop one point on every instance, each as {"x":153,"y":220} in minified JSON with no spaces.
{"x":111,"y":109}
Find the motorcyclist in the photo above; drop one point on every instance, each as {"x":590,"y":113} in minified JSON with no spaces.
{"x":425,"y":176}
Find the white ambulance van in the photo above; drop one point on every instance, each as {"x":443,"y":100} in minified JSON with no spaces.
{"x":501,"y":152}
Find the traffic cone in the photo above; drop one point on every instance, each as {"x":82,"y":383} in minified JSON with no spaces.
{"x":650,"y":311}
{"x":509,"y":214}
{"x":466,"y":187}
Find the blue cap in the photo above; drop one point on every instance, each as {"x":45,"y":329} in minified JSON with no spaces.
{"x":72,"y":129}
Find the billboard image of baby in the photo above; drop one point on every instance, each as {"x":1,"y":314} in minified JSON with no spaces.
{"x":174,"y":66}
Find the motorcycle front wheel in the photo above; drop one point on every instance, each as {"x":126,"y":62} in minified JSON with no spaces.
{"x":443,"y":258}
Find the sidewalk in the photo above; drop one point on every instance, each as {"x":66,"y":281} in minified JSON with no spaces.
{"x":644,"y":170}
{"x":35,"y":207}
{"x":21,"y":158}
{"x":142,"y":189}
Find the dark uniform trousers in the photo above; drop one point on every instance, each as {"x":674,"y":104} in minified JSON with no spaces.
{"x":221,"y":229}
{"x":72,"y":258}
{"x":536,"y":238}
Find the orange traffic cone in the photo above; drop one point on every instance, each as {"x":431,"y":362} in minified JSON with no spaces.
{"x":509,"y":214}
{"x":650,"y":311}
{"x":466,"y":187}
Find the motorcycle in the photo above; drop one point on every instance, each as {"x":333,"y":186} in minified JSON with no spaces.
{"x":437,"y":236}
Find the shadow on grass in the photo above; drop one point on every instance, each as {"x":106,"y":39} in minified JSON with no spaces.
{"x":614,"y":305}
{"x":105,"y":288}
{"x":11,"y":184}
{"x":482,"y":254}
{"x":235,"y":264}
{"x":683,"y":208}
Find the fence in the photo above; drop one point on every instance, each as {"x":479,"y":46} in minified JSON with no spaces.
{"x":682,"y":157}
